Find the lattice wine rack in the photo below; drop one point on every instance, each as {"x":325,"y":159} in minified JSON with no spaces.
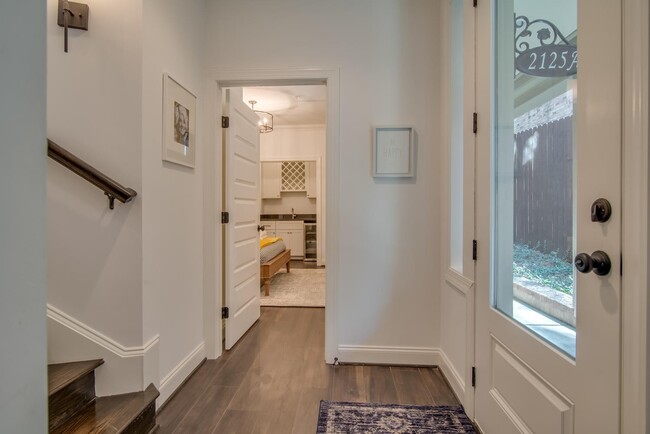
{"x":293,"y":176}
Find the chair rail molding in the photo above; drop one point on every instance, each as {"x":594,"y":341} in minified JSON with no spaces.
{"x":459,"y":282}
{"x":126,"y":369}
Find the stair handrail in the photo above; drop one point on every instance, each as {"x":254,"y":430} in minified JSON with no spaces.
{"x":112,"y":189}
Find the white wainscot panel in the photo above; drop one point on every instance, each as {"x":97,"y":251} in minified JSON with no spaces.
{"x":532,"y":403}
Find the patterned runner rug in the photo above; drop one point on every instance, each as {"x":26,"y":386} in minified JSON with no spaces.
{"x":361,"y":418}
{"x":300,"y":288}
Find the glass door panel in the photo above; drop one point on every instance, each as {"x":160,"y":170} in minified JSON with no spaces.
{"x":536,"y":66}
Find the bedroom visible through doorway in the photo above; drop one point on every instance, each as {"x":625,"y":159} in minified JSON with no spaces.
{"x":292,"y":180}
{"x":284,"y":182}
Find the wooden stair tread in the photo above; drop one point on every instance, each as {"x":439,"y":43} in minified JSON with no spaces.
{"x":62,"y":374}
{"x":110,"y":414}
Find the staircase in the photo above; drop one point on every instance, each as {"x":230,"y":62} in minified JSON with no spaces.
{"x":74,"y":408}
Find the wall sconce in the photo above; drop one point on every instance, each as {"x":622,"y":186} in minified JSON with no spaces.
{"x":72,"y":16}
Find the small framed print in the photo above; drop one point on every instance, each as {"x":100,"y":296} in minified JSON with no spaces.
{"x":179,"y":123}
{"x":393,"y":155}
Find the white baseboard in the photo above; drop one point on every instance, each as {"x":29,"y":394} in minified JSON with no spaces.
{"x":125,"y":369}
{"x":177,"y":375}
{"x":450,"y":372}
{"x":421,"y":356}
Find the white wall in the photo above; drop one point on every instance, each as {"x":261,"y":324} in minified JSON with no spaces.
{"x":388,"y":55}
{"x":172,"y":227}
{"x":131,"y":278}
{"x":23,"y":402}
{"x":94,"y":96}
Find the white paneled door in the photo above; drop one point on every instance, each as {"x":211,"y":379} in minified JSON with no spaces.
{"x":548,"y":216}
{"x":241,"y":201}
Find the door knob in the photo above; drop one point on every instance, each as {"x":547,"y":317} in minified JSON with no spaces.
{"x":599,"y":262}
{"x":260,"y":228}
{"x":601,"y":210}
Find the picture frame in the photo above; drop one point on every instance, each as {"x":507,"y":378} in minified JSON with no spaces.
{"x":393,"y":152}
{"x":179,"y":123}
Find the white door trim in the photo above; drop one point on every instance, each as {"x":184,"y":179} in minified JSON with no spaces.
{"x":463,"y":282}
{"x":635,"y":217}
{"x":216,"y":79}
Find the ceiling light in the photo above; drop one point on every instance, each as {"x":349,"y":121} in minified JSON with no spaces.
{"x":265,"y":123}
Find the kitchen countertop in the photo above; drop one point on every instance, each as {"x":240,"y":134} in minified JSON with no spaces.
{"x":307,"y":218}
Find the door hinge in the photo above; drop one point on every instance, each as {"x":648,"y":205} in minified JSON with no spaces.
{"x":225,"y":313}
{"x":225,"y":217}
{"x":475,"y":3}
{"x":473,"y":376}
{"x":225,"y":121}
{"x":475,"y":123}
{"x":474,"y":249}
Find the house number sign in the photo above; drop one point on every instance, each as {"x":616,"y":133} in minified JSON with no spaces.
{"x":554,"y":56}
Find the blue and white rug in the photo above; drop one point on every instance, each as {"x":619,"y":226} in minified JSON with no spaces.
{"x":361,"y":418}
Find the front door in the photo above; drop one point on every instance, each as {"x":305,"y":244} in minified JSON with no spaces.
{"x":548,"y":216}
{"x":241,"y":201}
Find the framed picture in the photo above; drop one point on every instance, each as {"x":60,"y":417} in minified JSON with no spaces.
{"x":179,"y":123}
{"x":393,"y":155}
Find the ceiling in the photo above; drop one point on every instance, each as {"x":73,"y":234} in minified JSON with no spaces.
{"x":291,"y":105}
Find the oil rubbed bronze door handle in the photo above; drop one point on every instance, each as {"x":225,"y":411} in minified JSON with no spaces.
{"x":598,"y":262}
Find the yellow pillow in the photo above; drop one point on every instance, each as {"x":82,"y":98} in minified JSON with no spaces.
{"x":268,"y":241}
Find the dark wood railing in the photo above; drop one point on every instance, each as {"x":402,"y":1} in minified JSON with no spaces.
{"x":111,"y":188}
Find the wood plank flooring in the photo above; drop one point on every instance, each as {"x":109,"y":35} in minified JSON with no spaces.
{"x":275,"y":377}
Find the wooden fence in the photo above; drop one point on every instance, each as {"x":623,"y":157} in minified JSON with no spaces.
{"x":543,"y":187}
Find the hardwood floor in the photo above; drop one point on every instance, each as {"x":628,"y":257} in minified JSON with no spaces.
{"x":275,"y":377}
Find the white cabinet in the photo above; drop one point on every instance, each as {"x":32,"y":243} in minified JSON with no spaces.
{"x":288,"y":176}
{"x":310,"y":179}
{"x":271,"y":179}
{"x":293,"y":234}
{"x":293,"y":176}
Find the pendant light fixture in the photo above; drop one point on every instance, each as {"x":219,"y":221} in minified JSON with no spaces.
{"x":265,"y":123}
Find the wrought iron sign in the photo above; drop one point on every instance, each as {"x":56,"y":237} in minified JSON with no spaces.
{"x":555,"y":56}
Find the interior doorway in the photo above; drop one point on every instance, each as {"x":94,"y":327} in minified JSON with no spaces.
{"x":292,"y":158}
{"x":325,"y":248}
{"x":273,"y":148}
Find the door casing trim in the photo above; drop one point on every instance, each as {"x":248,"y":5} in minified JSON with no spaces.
{"x":217,"y":79}
{"x":634,"y":315}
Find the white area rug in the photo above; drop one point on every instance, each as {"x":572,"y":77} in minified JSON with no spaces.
{"x":301,"y":287}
